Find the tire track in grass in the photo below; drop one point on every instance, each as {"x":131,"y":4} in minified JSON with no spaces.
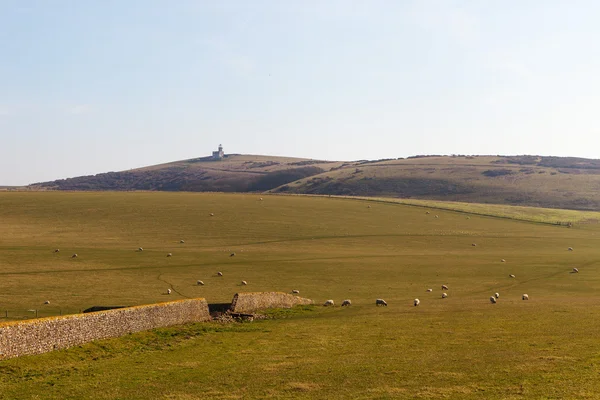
{"x":519,"y":283}
{"x":171,"y":286}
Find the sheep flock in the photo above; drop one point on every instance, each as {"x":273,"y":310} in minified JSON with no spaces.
{"x":493,"y":299}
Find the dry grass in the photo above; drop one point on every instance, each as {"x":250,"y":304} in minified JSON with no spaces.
{"x":460,"y":347}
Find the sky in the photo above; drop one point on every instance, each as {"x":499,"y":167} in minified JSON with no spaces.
{"x":107,"y":85}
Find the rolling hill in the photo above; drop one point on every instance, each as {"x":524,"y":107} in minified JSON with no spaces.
{"x":555,"y":182}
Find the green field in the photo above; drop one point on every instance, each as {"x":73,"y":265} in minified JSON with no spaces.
{"x":328,"y":248}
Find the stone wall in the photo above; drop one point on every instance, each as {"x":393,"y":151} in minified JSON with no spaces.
{"x":250,"y":302}
{"x":46,"y":334}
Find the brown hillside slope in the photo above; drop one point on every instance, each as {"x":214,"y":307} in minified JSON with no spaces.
{"x":534,"y":181}
{"x":235,"y":173}
{"x":552,"y":182}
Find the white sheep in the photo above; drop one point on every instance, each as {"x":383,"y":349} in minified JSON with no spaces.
{"x":444,"y":295}
{"x":182,"y":241}
{"x":244,"y":283}
{"x":212,"y":215}
{"x":444,"y":287}
{"x":430,"y":290}
{"x":416,"y":302}
{"x":492,"y":300}
{"x":140,"y":249}
{"x":497,"y":295}
{"x":346,"y":303}
{"x":368,"y":206}
{"x":525,"y":296}
{"x":503,"y":260}
{"x":169,"y":255}
{"x":261,"y":199}
{"x":168,"y":291}
{"x":47,"y":302}
{"x":511,"y":275}
{"x":199,"y":283}
{"x":380,"y":302}
{"x":329,"y":303}
{"x":437,"y":216}
{"x":295,"y":291}
{"x":56,"y":250}
{"x":474,"y":244}
{"x":427,"y":212}
{"x":570,"y":249}
{"x":575,"y":270}
{"x":219,"y":273}
{"x":74,"y":255}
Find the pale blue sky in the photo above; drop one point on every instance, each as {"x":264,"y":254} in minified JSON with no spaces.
{"x":90,"y":86}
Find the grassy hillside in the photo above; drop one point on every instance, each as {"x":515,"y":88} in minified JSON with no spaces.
{"x":551,"y":182}
{"x":533,"y":181}
{"x":460,"y":347}
{"x":235,"y":173}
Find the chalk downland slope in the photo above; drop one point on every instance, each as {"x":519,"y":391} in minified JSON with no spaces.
{"x":235,"y":173}
{"x":553,"y":182}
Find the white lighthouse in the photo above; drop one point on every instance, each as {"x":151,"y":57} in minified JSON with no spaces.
{"x":219,"y":154}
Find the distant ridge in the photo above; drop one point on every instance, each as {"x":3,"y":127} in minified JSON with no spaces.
{"x":554,"y":182}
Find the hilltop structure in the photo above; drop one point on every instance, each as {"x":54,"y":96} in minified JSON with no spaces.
{"x":219,"y":154}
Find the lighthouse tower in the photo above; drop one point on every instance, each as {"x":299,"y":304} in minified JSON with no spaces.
{"x":218,"y":155}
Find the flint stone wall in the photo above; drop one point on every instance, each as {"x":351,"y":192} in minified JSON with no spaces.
{"x":250,"y":302}
{"x":46,"y":334}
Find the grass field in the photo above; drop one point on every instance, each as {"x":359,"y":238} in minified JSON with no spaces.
{"x":328,"y":248}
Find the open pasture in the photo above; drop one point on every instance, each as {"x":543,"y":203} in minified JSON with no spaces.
{"x":327,"y":248}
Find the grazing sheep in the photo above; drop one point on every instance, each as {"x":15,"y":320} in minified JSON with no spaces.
{"x":503,"y":260}
{"x":570,"y":249}
{"x":232,"y":254}
{"x":328,"y":303}
{"x":511,"y":275}
{"x":220,"y":273}
{"x":169,"y":255}
{"x":492,"y":300}
{"x":140,"y":249}
{"x":199,"y":283}
{"x":182,"y":241}
{"x":575,"y":270}
{"x":56,"y":250}
{"x":380,"y":302}
{"x":212,"y":215}
{"x":168,"y":291}
{"x":497,"y":294}
{"x":525,"y":296}
{"x":260,"y":199}
{"x":346,"y":303}
{"x":444,"y":295}
{"x":416,"y":302}
{"x":295,"y":291}
{"x":74,"y":255}
{"x":474,"y":244}
{"x":430,"y":290}
{"x":427,"y":212}
{"x":444,"y":287}
{"x":468,"y":217}
{"x":368,"y":206}
{"x":437,"y":216}
{"x":47,"y":302}
{"x":244,"y":283}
